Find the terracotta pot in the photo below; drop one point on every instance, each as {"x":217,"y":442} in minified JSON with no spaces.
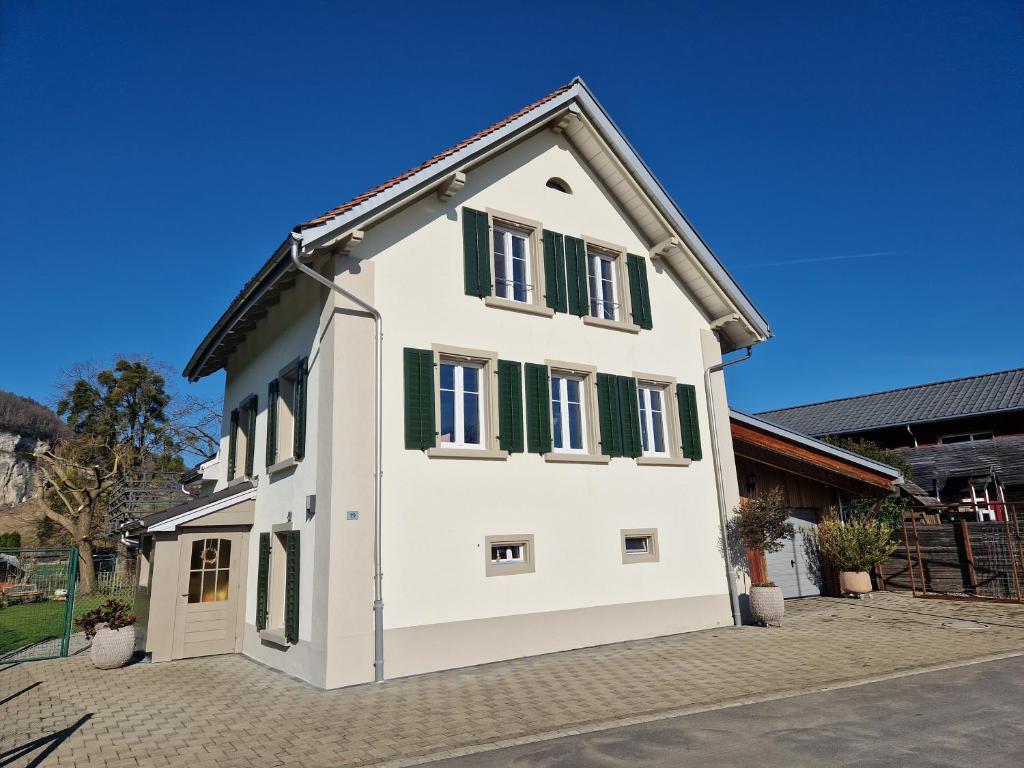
{"x":855,"y":582}
{"x":767,"y":605}
{"x":112,"y":648}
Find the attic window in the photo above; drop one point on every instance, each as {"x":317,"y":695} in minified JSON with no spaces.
{"x":556,"y":183}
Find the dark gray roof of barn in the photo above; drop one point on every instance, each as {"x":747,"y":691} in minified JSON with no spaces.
{"x":971,"y":396}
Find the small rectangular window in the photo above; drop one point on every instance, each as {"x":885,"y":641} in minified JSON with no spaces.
{"x":506,"y":555}
{"x":602,"y":273}
{"x":639,"y":545}
{"x":512,"y":260}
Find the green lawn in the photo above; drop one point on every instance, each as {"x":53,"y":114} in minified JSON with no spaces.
{"x":22,"y":625}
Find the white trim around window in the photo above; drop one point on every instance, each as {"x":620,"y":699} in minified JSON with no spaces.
{"x":654,"y":435}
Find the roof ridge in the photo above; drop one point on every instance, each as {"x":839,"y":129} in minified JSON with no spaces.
{"x":890,"y":391}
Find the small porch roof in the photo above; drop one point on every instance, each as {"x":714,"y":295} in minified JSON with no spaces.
{"x":170,"y":519}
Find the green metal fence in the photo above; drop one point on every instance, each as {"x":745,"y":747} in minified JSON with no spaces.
{"x":37,"y":602}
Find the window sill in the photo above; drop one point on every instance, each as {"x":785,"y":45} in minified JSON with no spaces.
{"x":282,"y":465}
{"x":518,"y":306}
{"x":466,"y":453}
{"x":657,"y":461}
{"x":239,"y":480}
{"x":274,"y":636}
{"x":576,"y":458}
{"x":615,"y":325}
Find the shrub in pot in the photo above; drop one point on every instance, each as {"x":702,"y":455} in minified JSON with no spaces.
{"x":762,"y":523}
{"x":855,"y":547}
{"x":111,"y":628}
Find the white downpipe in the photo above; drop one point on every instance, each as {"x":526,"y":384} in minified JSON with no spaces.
{"x":723,"y":515}
{"x":378,"y":591}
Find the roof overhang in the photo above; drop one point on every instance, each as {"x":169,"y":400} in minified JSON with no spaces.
{"x":579,"y":116}
{"x":764,"y":436}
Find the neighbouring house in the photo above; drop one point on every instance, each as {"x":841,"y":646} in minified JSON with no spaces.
{"x":815,"y":477}
{"x":963,"y":438}
{"x":542,"y":472}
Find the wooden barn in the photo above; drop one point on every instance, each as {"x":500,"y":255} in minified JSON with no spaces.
{"x":814,"y":476}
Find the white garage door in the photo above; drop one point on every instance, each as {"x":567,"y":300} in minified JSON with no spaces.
{"x":796,"y":567}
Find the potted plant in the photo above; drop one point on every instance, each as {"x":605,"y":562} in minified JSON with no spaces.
{"x":855,"y":546}
{"x":762,"y":524}
{"x":111,"y":628}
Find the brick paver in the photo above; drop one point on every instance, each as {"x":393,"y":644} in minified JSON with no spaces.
{"x":229,"y":711}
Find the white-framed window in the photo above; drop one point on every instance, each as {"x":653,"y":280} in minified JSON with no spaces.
{"x":512,"y":259}
{"x":654,"y":434}
{"x":568,"y":413}
{"x":602,"y":272}
{"x":637,"y":545}
{"x":462,"y":396}
{"x":510,"y":553}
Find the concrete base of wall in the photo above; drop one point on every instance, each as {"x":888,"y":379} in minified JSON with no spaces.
{"x":434,"y":647}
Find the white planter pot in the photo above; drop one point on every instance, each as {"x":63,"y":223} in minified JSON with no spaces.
{"x":767,"y":605}
{"x":855,"y":582}
{"x":112,"y":648}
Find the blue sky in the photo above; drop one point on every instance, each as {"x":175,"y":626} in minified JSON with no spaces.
{"x":858,"y":168}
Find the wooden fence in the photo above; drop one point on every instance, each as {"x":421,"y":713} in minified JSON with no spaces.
{"x":965,"y":559}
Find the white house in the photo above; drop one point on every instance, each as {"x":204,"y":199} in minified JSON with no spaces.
{"x":532,"y":465}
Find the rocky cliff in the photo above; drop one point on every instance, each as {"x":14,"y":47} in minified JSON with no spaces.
{"x":19,"y":479}
{"x":25,"y":428}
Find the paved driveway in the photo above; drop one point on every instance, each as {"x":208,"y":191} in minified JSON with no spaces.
{"x":229,"y":711}
{"x":968,"y":716}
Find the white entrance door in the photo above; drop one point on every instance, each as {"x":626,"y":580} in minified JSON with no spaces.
{"x":209,"y":594}
{"x":796,"y":568}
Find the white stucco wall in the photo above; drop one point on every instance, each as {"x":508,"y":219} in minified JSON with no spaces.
{"x":290,"y":330}
{"x":438,"y":511}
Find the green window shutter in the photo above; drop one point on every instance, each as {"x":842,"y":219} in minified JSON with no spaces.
{"x":576,"y":276}
{"x":250,"y":443}
{"x":538,"y":409}
{"x":262,"y":581}
{"x":510,"y":406}
{"x":232,"y":443}
{"x":291,"y":588}
{"x":554,"y":271}
{"x":629,"y":410}
{"x":272,"y":393}
{"x":639,"y":294}
{"x":476,"y":252}
{"x":609,"y":417}
{"x":689,"y":424}
{"x":419,"y":399}
{"x":299,"y":410}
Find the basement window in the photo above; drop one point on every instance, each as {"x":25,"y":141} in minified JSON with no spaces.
{"x":506,"y":555}
{"x":639,"y":545}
